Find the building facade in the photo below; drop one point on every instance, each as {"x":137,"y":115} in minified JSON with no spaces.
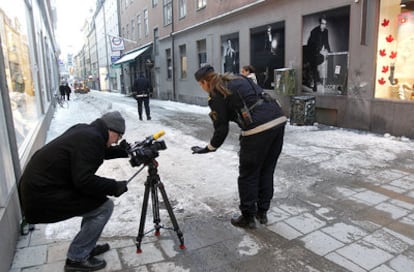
{"x":359,"y":76}
{"x":29,"y":76}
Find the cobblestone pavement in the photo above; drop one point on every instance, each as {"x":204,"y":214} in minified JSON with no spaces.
{"x":359,"y":221}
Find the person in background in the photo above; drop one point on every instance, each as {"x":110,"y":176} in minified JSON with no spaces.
{"x":68,"y":90}
{"x":62,"y":91}
{"x":59,"y":183}
{"x":261,"y":138}
{"x":249,"y":71}
{"x":141,"y":90}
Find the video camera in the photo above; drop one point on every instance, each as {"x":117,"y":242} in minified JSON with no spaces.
{"x":144,"y":152}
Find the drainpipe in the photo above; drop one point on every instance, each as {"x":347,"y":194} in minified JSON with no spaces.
{"x":173,"y":51}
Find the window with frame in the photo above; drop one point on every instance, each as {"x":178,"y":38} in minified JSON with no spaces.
{"x":183,"y":61}
{"x":154,"y":3}
{"x":182,"y":8}
{"x":201,"y":4}
{"x":18,"y":66}
{"x":156,"y":42}
{"x":202,"y":52}
{"x":395,"y":58}
{"x":167,"y":8}
{"x":139,"y":32}
{"x":146,"y":26}
{"x":169,"y":63}
{"x":19,"y":85}
{"x":132,"y":29}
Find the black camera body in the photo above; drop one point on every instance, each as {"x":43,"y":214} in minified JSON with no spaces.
{"x":143,"y":152}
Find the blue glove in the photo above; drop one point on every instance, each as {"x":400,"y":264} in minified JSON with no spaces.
{"x":200,"y":150}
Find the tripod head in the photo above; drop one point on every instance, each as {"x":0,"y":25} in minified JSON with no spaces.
{"x":146,"y":151}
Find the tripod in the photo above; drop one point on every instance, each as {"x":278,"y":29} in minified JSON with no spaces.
{"x":152,"y":184}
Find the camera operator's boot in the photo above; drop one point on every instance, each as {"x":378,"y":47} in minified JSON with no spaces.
{"x":246,"y":222}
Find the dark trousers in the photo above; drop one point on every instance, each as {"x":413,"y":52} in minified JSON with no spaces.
{"x":258,"y":157}
{"x":144,"y":100}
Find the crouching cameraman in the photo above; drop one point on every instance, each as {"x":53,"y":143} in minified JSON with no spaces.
{"x":59,"y":182}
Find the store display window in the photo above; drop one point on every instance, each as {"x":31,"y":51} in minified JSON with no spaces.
{"x":18,"y":67}
{"x":395,"y":58}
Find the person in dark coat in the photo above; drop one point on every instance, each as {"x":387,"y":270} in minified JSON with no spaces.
{"x":62,"y":91}
{"x":261,"y":138}
{"x":59,"y":182}
{"x":68,"y":90}
{"x":141,"y":90}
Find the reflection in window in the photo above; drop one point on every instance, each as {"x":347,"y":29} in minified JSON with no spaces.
{"x":15,"y":46}
{"x":395,"y":59}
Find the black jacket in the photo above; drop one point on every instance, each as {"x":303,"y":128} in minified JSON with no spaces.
{"x":141,"y":86}
{"x":59,"y":182}
{"x":223,"y":109}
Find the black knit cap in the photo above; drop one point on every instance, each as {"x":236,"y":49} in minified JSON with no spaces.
{"x":114,"y":121}
{"x":203,"y":71}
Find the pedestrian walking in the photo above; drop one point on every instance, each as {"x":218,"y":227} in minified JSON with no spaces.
{"x":141,"y":90}
{"x":62,"y":91}
{"x":262,"y":123}
{"x":68,"y":90}
{"x":59,"y":182}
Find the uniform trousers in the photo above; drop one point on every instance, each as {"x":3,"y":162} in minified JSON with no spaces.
{"x":257,"y":162}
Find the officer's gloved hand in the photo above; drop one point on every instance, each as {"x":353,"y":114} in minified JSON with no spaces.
{"x":121,"y":187}
{"x":201,"y":150}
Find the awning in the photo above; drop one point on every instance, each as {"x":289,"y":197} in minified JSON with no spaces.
{"x":130,"y":57}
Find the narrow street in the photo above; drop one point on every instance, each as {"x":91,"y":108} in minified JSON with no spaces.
{"x":344,"y":200}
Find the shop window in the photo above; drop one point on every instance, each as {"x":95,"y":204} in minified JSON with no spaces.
{"x":169,"y":63}
{"x":183,"y":61}
{"x":395,"y":59}
{"x":230,"y":53}
{"x":18,"y":67}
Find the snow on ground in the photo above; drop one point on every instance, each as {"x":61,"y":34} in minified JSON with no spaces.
{"x":203,"y":184}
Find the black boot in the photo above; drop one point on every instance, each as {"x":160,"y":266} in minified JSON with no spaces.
{"x":91,"y":264}
{"x":246,"y":222}
{"x":262,"y":217}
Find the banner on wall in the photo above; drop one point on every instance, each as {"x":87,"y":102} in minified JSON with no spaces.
{"x":325,"y":51}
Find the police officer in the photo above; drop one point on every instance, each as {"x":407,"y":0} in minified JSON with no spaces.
{"x":262,"y":123}
{"x":142,"y":89}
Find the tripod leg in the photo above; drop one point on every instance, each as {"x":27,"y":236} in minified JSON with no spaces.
{"x":172,"y":216}
{"x":143,"y":215}
{"x":155,"y":209}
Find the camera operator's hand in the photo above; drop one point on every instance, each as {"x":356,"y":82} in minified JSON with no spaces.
{"x":201,"y":150}
{"x":121,"y":187}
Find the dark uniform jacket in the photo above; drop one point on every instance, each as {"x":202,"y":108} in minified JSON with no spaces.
{"x":223,"y":109}
{"x":59,"y":182}
{"x":142,"y":86}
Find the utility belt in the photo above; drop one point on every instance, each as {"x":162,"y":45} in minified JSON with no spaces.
{"x":274,"y":123}
{"x":244,"y":113}
{"x":141,"y":95}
